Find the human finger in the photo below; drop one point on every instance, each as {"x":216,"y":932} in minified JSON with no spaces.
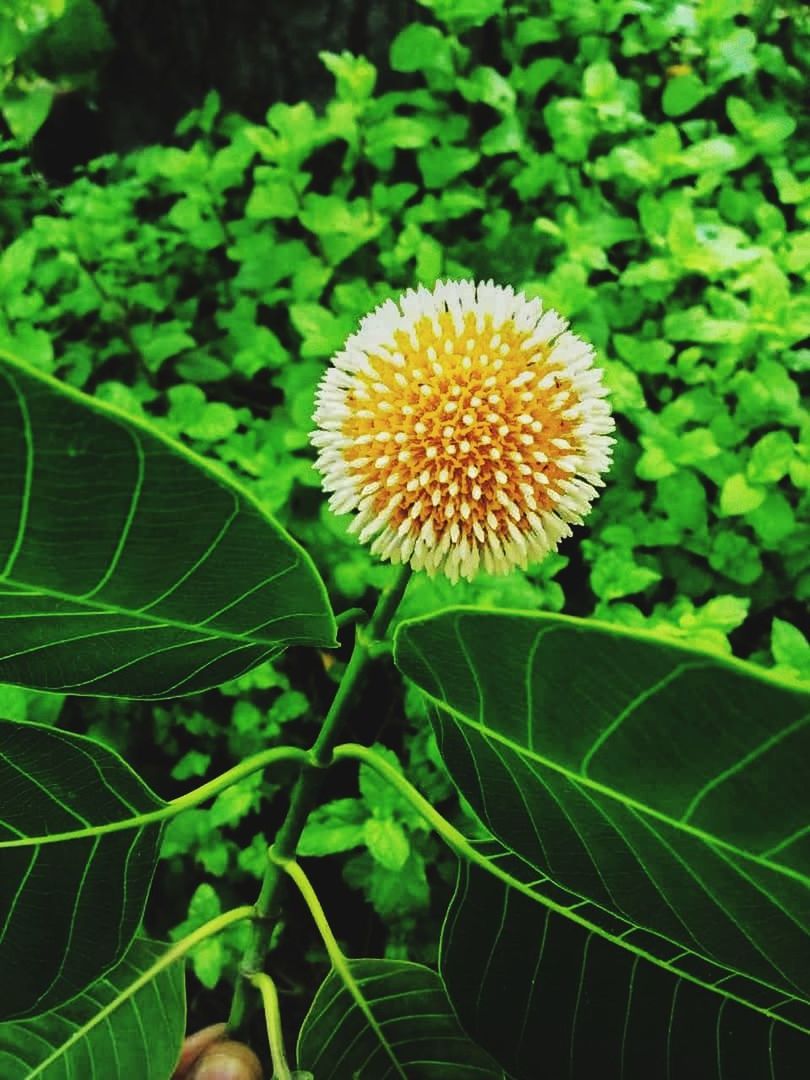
{"x":226,"y":1060}
{"x":193,"y":1046}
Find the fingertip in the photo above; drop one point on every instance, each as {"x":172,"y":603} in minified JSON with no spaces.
{"x":227,"y":1060}
{"x":193,"y":1046}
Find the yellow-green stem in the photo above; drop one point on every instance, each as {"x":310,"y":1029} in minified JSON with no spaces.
{"x":275,"y":1036}
{"x":340,"y":964}
{"x":176,"y":806}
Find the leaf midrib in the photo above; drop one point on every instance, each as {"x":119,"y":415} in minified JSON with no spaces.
{"x":628,"y":801}
{"x":530,"y":891}
{"x":154,"y":621}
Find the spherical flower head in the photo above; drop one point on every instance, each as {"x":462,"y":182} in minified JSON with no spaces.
{"x":466,"y":426}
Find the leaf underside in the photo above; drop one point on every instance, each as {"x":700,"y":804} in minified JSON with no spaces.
{"x":68,"y":910}
{"x":128,"y":566}
{"x":663,"y":789}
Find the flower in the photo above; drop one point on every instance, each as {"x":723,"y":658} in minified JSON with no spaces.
{"x":467,"y":427}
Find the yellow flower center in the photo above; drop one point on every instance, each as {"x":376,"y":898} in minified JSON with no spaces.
{"x":471,"y":429}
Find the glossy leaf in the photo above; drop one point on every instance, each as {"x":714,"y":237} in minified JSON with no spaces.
{"x":69,"y":908}
{"x":421,"y":1038}
{"x":139,"y":1039}
{"x":642,"y":777}
{"x":128,"y":565}
{"x":549,"y":998}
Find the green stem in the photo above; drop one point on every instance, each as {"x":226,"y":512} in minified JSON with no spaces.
{"x":175,"y":952}
{"x":239,"y":772}
{"x":305,"y":792}
{"x":449,"y":833}
{"x":454,"y":839}
{"x":275,"y":1036}
{"x":388,"y":603}
{"x":337,"y":957}
{"x":349,"y":616}
{"x":176,"y":806}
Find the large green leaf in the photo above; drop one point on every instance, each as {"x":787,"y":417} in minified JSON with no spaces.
{"x":69,"y":905}
{"x":666,"y":787}
{"x":139,"y":1039}
{"x":129,"y":566}
{"x":419,"y":1036}
{"x":548,"y":998}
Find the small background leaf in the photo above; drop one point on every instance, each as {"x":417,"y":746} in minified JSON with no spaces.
{"x":387,"y":841}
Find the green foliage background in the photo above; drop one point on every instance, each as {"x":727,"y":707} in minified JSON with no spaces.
{"x":643,"y":167}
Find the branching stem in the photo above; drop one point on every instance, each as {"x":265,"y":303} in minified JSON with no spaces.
{"x":305,"y":792}
{"x":449,"y":833}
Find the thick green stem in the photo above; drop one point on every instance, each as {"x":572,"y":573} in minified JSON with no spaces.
{"x":350,"y":616}
{"x":305,"y":792}
{"x":449,"y":833}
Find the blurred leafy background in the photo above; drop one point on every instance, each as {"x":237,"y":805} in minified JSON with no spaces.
{"x":197,"y":207}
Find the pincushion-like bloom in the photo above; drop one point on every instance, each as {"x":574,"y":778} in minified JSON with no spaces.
{"x":466,"y":426}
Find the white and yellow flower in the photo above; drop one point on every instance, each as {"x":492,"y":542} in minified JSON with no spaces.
{"x":466,"y":426}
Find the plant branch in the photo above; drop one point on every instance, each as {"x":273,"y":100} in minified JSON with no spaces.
{"x":275,"y":1036}
{"x":176,"y":806}
{"x":305,"y":792}
{"x":449,"y":833}
{"x":350,"y":616}
{"x":239,"y":772}
{"x":337,"y":958}
{"x":454,"y":839}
